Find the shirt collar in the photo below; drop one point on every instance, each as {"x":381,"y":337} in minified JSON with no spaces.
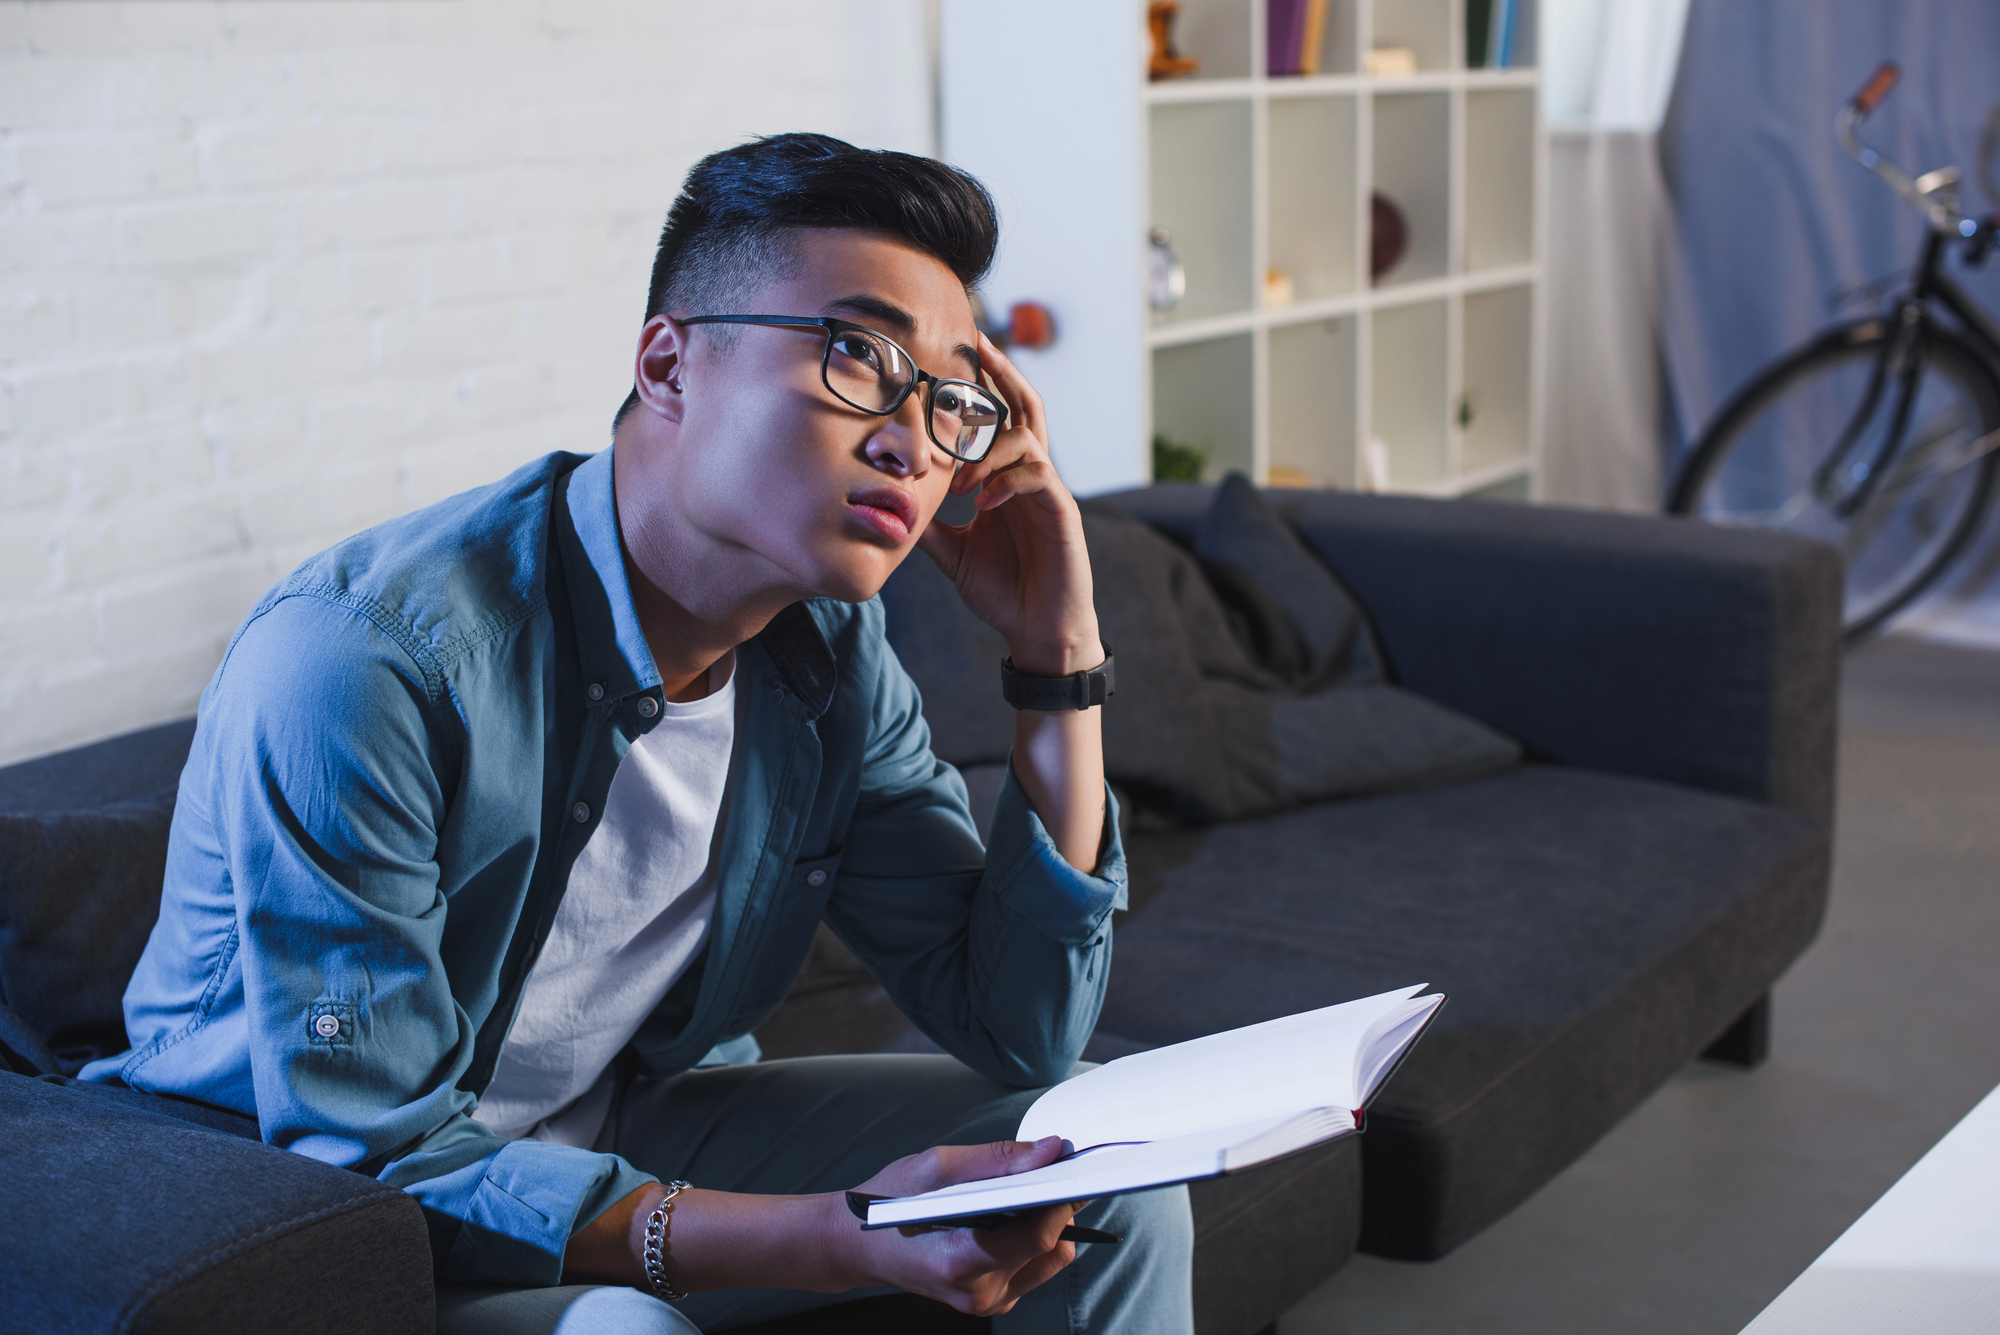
{"x":621,"y":660}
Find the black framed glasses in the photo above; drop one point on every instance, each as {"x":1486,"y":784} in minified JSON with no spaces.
{"x":869,"y":371}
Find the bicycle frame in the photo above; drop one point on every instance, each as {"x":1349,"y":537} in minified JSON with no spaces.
{"x":1935,"y":195}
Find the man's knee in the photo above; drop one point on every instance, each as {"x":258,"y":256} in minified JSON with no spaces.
{"x":1160,"y":1220}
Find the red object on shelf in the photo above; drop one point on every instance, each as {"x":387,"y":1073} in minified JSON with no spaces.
{"x":1030,"y":325}
{"x":1388,"y":235}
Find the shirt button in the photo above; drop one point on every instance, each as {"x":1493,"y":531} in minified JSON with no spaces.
{"x":594,"y":691}
{"x":816,"y":877}
{"x":648,"y":706}
{"x":327,"y":1026}
{"x":580,"y":812}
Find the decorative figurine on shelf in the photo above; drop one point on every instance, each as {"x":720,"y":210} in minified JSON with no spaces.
{"x":1029,"y":325}
{"x":1166,"y":280}
{"x":1392,"y":61}
{"x":1166,"y":63}
{"x":1388,"y":235}
{"x":1279,"y":290}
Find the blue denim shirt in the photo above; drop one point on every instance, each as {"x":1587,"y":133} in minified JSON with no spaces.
{"x":405,"y":747}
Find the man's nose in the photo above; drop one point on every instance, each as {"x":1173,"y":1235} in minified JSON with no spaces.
{"x":900,"y":445}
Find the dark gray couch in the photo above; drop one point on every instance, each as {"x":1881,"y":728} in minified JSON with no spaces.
{"x":1601,"y":916}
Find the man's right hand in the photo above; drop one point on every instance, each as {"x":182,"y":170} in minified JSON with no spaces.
{"x":726,"y":1240}
{"x":979,"y":1271}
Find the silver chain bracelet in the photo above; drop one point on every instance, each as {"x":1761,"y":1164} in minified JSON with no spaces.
{"x":658,"y":1224}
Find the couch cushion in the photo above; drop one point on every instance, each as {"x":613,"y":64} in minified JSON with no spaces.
{"x":1594,"y":933}
{"x":1308,"y":628}
{"x":135,"y":764}
{"x":146,"y":1223}
{"x":79,"y":892}
{"x":1267,"y":1237}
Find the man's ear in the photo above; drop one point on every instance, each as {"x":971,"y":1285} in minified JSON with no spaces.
{"x":659,"y":376}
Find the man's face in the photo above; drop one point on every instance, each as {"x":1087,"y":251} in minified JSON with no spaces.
{"x":767,"y":461}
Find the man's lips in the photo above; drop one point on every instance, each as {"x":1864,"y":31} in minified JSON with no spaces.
{"x":890,"y":511}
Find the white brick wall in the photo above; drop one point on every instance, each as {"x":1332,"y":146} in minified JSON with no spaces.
{"x":274,"y":270}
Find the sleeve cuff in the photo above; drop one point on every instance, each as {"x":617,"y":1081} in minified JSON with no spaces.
{"x":1032,"y":878}
{"x":532,"y":1197}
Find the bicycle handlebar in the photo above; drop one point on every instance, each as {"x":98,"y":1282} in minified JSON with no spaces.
{"x":1880,"y":84}
{"x":1934,"y":194}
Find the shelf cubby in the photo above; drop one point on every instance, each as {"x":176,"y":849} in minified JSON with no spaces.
{"x":1313,"y":419}
{"x":1500,"y":177}
{"x":1412,"y":157}
{"x":1249,"y":172}
{"x":1496,"y":392}
{"x":1204,"y":394}
{"x":1312,"y":191}
{"x":1407,"y":386}
{"x":1217,"y":33}
{"x":1425,"y":26}
{"x":1201,"y":168}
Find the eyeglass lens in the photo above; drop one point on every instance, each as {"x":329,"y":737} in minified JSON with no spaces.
{"x":872,"y":373}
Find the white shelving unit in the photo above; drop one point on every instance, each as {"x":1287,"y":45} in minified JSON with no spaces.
{"x":1439,"y":360}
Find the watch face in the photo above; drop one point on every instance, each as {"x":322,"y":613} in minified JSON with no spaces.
{"x":1166,"y":280}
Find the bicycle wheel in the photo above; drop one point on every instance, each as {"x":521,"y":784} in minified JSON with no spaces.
{"x":1758,"y":466}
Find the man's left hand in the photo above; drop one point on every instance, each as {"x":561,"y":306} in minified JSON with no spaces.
{"x":1021,"y":565}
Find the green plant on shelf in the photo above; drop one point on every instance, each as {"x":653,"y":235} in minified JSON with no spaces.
{"x":1177,"y":461}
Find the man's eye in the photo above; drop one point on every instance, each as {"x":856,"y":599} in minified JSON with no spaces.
{"x":859,"y":348}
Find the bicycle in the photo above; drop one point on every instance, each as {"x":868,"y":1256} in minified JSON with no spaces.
{"x":1878,"y":435}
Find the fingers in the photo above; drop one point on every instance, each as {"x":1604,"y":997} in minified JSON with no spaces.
{"x":1028,"y":478}
{"x":945,"y":546}
{"x":1026,"y":435}
{"x":1039,"y":1271}
{"x":1014,"y":446}
{"x":1023,"y":402}
{"x":1001,"y":1158}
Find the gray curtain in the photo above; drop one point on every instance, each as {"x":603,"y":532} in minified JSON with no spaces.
{"x":1771,"y":219}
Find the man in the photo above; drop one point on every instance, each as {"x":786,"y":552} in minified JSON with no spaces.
{"x":507,"y":821}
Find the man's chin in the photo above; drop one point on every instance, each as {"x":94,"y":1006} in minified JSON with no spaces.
{"x":856,"y":581}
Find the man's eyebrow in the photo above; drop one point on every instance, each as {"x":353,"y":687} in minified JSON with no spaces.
{"x":886,"y":311}
{"x":900,"y":320}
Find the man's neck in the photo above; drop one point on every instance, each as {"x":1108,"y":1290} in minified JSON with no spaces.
{"x":696,"y":599}
{"x":685,"y":645}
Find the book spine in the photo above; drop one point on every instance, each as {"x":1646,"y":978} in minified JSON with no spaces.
{"x":1501,"y":50}
{"x":1478,"y":27}
{"x":1315,"y":36}
{"x":1279,"y":54}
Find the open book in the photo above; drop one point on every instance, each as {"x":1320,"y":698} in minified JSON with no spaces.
{"x":1193,"y":1110}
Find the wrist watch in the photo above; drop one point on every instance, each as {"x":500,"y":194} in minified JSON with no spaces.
{"x":1078,"y":690}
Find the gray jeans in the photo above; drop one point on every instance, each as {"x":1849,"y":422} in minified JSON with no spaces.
{"x":815,"y":1124}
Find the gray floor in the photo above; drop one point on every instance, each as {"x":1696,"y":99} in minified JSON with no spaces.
{"x":1702,"y":1206}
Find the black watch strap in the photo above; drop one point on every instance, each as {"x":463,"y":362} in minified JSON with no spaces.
{"x":1079,"y":690}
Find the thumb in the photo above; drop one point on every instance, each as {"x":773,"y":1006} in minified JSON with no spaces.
{"x":945,"y":546}
{"x":1004,"y":1158}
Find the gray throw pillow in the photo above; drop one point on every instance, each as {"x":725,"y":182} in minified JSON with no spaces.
{"x":79,"y":893}
{"x":1342,"y":729}
{"x":1299,"y":618}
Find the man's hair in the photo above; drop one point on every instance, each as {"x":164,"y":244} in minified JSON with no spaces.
{"x":727,"y":233}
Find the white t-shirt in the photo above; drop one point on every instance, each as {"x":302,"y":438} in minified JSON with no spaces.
{"x":633,"y":918}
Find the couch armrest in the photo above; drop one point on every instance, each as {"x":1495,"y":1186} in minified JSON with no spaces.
{"x":1660,"y":648}
{"x":125,"y":1219}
